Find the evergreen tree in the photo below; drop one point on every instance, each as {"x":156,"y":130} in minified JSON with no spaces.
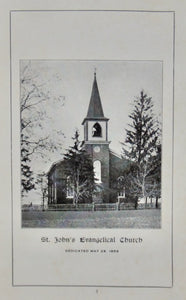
{"x":80,"y":172}
{"x":141,"y":147}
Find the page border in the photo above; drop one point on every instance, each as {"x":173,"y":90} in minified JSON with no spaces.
{"x":11,"y":159}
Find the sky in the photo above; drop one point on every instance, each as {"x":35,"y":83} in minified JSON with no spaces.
{"x":119,"y":82}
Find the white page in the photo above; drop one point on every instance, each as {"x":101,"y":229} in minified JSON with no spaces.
{"x":150,"y":263}
{"x":46,"y":29}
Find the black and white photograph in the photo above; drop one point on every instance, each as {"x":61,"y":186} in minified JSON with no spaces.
{"x":90,"y":143}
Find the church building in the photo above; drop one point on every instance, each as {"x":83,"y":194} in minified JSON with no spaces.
{"x":108,"y":166}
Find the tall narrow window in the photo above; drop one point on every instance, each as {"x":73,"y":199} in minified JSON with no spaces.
{"x":96,"y":130}
{"x":55,"y":192}
{"x":97,"y":171}
{"x":70,"y":190}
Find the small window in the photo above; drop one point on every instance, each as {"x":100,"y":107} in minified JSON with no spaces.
{"x":121,"y":193}
{"x":96,"y":130}
{"x":121,"y":187}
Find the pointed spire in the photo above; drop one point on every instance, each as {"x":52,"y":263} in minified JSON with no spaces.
{"x":95,"y":109}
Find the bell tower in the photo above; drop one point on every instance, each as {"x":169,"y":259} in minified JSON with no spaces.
{"x":96,"y":140}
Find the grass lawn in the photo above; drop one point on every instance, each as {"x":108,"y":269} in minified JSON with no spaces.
{"x":149,"y":218}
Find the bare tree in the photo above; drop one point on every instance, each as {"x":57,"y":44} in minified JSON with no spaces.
{"x":38,"y":137}
{"x":42,"y":182}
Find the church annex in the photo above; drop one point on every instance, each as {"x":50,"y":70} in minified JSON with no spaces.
{"x":108,"y":166}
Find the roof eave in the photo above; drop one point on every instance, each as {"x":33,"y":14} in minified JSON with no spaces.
{"x":94,"y":119}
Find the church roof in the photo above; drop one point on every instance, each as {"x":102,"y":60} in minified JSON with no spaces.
{"x":95,"y":110}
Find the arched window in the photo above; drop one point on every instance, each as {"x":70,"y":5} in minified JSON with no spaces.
{"x":121,"y":187}
{"x":69,"y":188}
{"x":96,"y":130}
{"x":97,"y":171}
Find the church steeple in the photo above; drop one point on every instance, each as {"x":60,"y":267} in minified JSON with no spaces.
{"x":95,"y":110}
{"x":96,"y":142}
